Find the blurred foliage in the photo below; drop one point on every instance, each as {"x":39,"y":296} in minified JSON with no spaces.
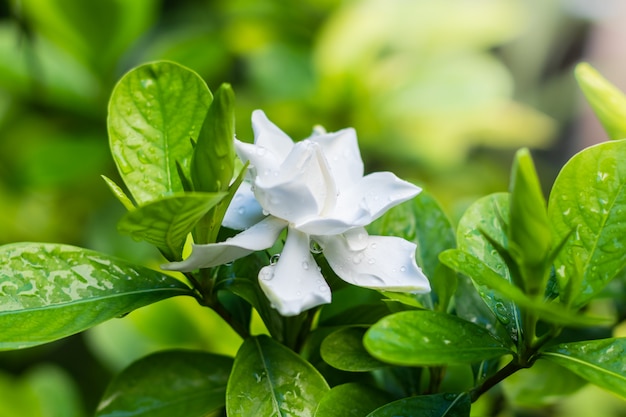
{"x":441,"y":92}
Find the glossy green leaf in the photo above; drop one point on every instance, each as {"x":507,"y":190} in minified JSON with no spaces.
{"x":166,"y":222}
{"x":488,"y":279}
{"x":588,"y":200}
{"x":424,"y":337}
{"x":490,"y":216}
{"x":606,"y":100}
{"x":351,"y":400}
{"x":119,"y":193}
{"x":50,"y":291}
{"x":153,"y":112}
{"x":343,"y":349}
{"x":600,"y":362}
{"x":438,"y":405}
{"x":176,"y":383}
{"x":213,"y":159}
{"x":529,"y":234}
{"x":269,"y":379}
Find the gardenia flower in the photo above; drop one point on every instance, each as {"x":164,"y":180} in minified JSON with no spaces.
{"x":316,"y":190}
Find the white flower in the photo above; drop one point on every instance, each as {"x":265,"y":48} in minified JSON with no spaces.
{"x":316,"y":190}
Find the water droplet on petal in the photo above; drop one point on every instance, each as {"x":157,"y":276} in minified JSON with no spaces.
{"x":241,"y":210}
{"x":305,"y":265}
{"x":315,"y":247}
{"x":356,"y":259}
{"x":265,"y":212}
{"x":274,"y":259}
{"x":266,"y":274}
{"x":371,"y":261}
{"x":403,"y":268}
{"x":373,"y":245}
{"x":260,"y":151}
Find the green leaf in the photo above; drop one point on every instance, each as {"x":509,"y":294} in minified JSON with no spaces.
{"x":438,"y":405}
{"x":343,"y":349}
{"x":600,"y":362}
{"x":351,"y":400}
{"x":541,"y":385}
{"x":486,"y":278}
{"x":50,"y":291}
{"x":489,"y":216}
{"x":529,"y":232}
{"x":607,"y":101}
{"x":213,"y":159}
{"x":153,"y":111}
{"x":119,"y":193}
{"x":268,"y":379}
{"x":589,"y":199}
{"x":166,"y":222}
{"x":176,"y":383}
{"x":424,"y":337}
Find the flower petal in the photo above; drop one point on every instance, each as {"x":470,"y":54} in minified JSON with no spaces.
{"x":299,"y":188}
{"x":294,"y":284}
{"x":375,"y":193}
{"x":269,"y":136}
{"x":343,"y":155}
{"x":244,"y":210}
{"x":260,"y":236}
{"x":387,"y":263}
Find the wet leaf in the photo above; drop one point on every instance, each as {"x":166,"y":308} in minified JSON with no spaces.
{"x":176,"y":383}
{"x":50,"y":291}
{"x":498,"y":288}
{"x":438,"y":405}
{"x":490,"y":216}
{"x":588,"y":199}
{"x":153,"y":111}
{"x":600,"y":362}
{"x":213,"y":158}
{"x":607,"y":102}
{"x":529,"y":234}
{"x":166,"y":222}
{"x":343,"y":349}
{"x":424,"y":337}
{"x":269,"y":379}
{"x":351,"y":400}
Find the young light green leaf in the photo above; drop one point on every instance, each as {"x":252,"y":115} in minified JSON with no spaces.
{"x":213,"y":158}
{"x":176,"y":383}
{"x":437,"y":405}
{"x":424,"y":337}
{"x":166,"y":222}
{"x":607,"y":102}
{"x":119,"y":193}
{"x":269,"y":379}
{"x":50,"y":291}
{"x":489,"y":216}
{"x":588,"y":199}
{"x":494,"y":287}
{"x":153,"y":111}
{"x":343,"y":349}
{"x":600,"y":362}
{"x":529,"y":232}
{"x":351,"y":400}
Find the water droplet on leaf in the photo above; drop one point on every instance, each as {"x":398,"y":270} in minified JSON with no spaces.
{"x":274,"y":259}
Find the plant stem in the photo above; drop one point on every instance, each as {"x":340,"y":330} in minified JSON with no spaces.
{"x":494,"y":379}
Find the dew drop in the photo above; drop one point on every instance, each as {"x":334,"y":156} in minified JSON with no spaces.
{"x":403,"y":268}
{"x":265,"y":212}
{"x":371,"y":261}
{"x":305,"y":265}
{"x":356,"y":259}
{"x":241,"y":210}
{"x":373,"y":246}
{"x":274,"y":259}
{"x":260,"y":151}
{"x":266,"y":274}
{"x":315,"y":247}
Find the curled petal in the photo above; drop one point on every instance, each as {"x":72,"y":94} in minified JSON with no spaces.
{"x":269,"y":136}
{"x":244,"y":210}
{"x":294,"y":284}
{"x":262,"y":160}
{"x":260,"y":236}
{"x":376,"y":193}
{"x":300,"y":188}
{"x":344,"y":158}
{"x":386,"y":263}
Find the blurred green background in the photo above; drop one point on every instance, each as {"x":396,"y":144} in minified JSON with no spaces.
{"x":440,"y":92}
